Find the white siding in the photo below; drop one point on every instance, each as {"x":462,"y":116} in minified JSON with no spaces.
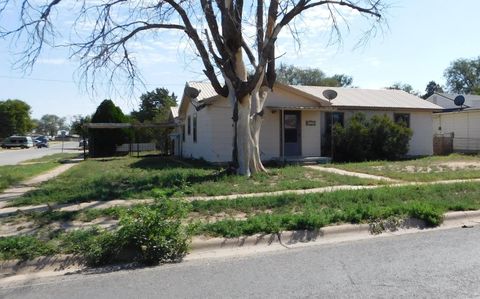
{"x":311,"y":134}
{"x":270,"y":135}
{"x":222,"y":131}
{"x":422,"y":139}
{"x":201,"y":148}
{"x":283,"y":98}
{"x":465,"y":124}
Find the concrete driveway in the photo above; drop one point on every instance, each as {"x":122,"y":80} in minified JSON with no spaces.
{"x":15,"y":156}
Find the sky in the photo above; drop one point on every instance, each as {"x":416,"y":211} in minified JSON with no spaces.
{"x":419,"y":41}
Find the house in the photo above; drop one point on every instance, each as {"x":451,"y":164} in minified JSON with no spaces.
{"x":296,"y":122}
{"x":462,"y":122}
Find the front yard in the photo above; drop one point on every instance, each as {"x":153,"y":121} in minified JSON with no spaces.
{"x":100,"y":234}
{"x":427,"y":169}
{"x":136,"y":178}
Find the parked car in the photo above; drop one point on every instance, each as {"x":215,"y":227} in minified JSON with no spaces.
{"x":41,"y":141}
{"x":17,"y":141}
{"x":80,"y":144}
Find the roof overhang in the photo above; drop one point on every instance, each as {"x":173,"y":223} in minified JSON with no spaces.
{"x":385,"y":108}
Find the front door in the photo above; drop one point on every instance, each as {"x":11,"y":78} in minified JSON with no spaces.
{"x":292,"y":133}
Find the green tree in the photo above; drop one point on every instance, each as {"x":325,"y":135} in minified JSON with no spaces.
{"x":14,"y":118}
{"x":103,"y":142}
{"x":403,"y":86}
{"x":432,"y":87}
{"x":463,"y":76}
{"x":155,"y":105}
{"x":78,"y":125}
{"x":155,"y":108}
{"x":50,"y":124}
{"x":292,"y":75}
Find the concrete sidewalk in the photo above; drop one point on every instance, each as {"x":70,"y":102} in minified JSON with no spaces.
{"x":351,"y":173}
{"x":31,"y":184}
{"x":7,"y":211}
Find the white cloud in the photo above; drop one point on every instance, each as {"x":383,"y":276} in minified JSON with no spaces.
{"x":54,"y":61}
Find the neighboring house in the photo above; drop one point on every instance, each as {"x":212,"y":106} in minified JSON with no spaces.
{"x":460,"y":122}
{"x":296,"y":120}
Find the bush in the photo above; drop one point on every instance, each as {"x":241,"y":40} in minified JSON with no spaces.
{"x":148,"y":235}
{"x":103,"y":142}
{"x":389,"y":140}
{"x":156,"y":234}
{"x":379,"y":138}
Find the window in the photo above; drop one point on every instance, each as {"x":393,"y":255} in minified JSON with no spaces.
{"x":195,"y":128}
{"x":402,"y":118}
{"x":337,"y":119}
{"x":183,"y":133}
{"x":189,"y":121}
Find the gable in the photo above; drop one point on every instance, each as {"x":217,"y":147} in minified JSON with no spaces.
{"x":283,"y":96}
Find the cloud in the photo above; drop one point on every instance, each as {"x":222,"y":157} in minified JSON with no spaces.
{"x":53,"y":61}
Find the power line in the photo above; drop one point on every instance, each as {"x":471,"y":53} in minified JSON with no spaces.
{"x":71,"y":81}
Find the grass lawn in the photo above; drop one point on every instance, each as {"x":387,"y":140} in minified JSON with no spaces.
{"x":264,"y":215}
{"x":454,"y":166}
{"x":13,"y":174}
{"x":130,"y":177}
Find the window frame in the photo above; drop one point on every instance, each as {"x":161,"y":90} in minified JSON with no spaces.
{"x":183,"y":133}
{"x":399,"y":118}
{"x":189,"y":125}
{"x":194,"y":128}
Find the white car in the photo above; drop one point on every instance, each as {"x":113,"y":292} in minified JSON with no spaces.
{"x":17,"y":141}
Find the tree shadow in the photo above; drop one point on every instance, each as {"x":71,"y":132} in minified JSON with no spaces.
{"x":166,"y":162}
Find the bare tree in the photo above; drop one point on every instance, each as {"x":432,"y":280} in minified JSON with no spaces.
{"x":217,"y":29}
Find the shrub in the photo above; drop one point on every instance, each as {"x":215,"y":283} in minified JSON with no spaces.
{"x":148,"y":235}
{"x":379,"y":138}
{"x":156,"y":234}
{"x":389,"y":140}
{"x":353,"y":142}
{"x":103,"y":142}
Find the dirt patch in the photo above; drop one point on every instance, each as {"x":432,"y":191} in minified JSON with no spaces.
{"x":460,"y":165}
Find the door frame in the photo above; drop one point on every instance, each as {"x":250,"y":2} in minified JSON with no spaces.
{"x":298,"y":113}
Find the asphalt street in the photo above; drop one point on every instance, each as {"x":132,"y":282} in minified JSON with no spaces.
{"x":15,"y":156}
{"x":433,"y":264}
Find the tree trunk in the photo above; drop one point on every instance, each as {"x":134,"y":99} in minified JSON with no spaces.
{"x":247,"y":117}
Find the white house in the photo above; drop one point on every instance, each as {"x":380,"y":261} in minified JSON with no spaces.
{"x":461,"y":122}
{"x":296,"y":120}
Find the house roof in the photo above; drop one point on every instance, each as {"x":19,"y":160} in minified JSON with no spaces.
{"x":206,"y":90}
{"x":445,"y":100}
{"x":371,"y":98}
{"x":347,"y":97}
{"x":174,"y":111}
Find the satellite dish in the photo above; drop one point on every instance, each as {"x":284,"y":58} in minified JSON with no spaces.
{"x":330,"y":94}
{"x":459,"y":100}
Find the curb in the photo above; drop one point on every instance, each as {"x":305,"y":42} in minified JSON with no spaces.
{"x":50,"y":263}
{"x":201,"y":244}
